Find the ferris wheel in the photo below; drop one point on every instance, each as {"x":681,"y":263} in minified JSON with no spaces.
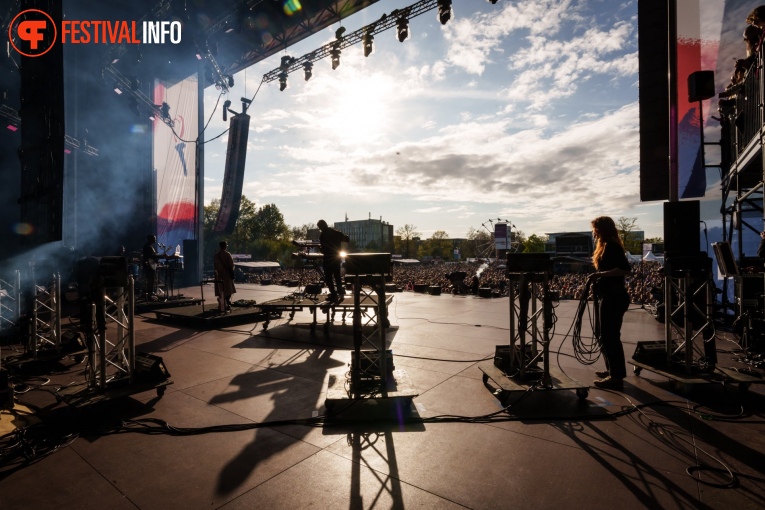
{"x":488,"y":246}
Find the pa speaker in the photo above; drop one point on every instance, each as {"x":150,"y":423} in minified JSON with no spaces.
{"x":233,"y":177}
{"x":191,"y":262}
{"x":701,"y":86}
{"x":681,"y":228}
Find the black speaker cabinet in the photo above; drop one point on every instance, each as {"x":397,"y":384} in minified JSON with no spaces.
{"x":529,"y":263}
{"x":749,"y":291}
{"x":191,"y":274}
{"x":701,"y":85}
{"x":113,"y":271}
{"x":681,"y":227}
{"x":362,"y":264}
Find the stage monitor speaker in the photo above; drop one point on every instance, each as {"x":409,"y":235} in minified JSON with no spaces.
{"x":233,"y":177}
{"x":681,"y":228}
{"x":191,"y":274}
{"x":363,"y":264}
{"x":150,"y":368}
{"x":701,"y":86}
{"x":652,"y":352}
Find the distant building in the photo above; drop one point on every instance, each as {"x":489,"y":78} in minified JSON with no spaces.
{"x":369,"y":234}
{"x":576,"y":244}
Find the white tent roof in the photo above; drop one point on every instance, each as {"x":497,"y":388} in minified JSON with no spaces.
{"x":650,"y":257}
{"x":259,"y":265}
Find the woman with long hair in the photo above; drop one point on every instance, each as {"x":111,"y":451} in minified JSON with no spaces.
{"x":609,"y":287}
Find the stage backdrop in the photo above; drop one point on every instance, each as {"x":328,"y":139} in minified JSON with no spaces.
{"x":175,"y":162}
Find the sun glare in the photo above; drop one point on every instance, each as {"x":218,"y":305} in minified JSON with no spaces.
{"x":359,"y":114}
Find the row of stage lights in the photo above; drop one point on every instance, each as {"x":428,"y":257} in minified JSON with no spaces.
{"x":402,"y":17}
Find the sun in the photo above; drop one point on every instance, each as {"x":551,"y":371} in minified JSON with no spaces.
{"x":359,"y":113}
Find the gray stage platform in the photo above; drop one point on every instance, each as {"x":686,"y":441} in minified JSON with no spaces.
{"x":550,"y":450}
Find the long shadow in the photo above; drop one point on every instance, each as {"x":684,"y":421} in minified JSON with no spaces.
{"x":681,"y":431}
{"x":287,"y":403}
{"x":608,"y":452}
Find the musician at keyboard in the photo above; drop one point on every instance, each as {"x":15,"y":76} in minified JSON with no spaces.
{"x":331,"y":244}
{"x":150,"y":260}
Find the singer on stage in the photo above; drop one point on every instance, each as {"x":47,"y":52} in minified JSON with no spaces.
{"x":612,"y":266}
{"x":331,"y":241}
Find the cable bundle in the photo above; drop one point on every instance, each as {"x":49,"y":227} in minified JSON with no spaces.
{"x":586,"y":350}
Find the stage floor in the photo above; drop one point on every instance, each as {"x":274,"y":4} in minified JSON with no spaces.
{"x":554,"y":450}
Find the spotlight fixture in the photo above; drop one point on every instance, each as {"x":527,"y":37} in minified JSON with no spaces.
{"x":117,"y":88}
{"x":335,"y":54}
{"x":339,"y":33}
{"x":367,"y":40}
{"x":230,"y":81}
{"x":286,"y":63}
{"x":226,"y":104}
{"x":282,"y":81}
{"x":165,"y":111}
{"x":402,"y":29}
{"x":444,"y":11}
{"x":308,"y":70}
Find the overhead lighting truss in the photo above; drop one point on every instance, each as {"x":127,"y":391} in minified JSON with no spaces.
{"x":363,"y":35}
{"x":161,"y":111}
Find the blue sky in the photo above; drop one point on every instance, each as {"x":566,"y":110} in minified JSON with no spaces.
{"x":525,"y":111}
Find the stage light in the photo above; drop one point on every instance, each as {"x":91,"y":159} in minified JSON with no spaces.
{"x":286,"y":63}
{"x":339,"y":33}
{"x":335,"y":54}
{"x":165,"y":111}
{"x":402,"y":29}
{"x":134,"y":83}
{"x":117,"y":88}
{"x":12,"y":127}
{"x":282,"y":81}
{"x":230,"y":81}
{"x":226,"y":104}
{"x":308,"y":70}
{"x":444,"y":11}
{"x":368,"y":41}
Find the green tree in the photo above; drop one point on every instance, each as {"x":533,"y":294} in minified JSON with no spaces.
{"x":301,"y":232}
{"x":268,"y":224}
{"x":535,"y":244}
{"x":438,"y":246}
{"x":405,"y":242}
{"x":239,"y":240}
{"x":476,"y":239}
{"x":626,"y":227}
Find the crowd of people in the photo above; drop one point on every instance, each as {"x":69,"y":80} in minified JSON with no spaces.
{"x":645,"y":277}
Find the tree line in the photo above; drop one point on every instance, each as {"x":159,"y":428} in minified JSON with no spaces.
{"x":263,"y":233}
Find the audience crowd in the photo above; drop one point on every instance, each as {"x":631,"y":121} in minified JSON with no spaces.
{"x":469,"y":278}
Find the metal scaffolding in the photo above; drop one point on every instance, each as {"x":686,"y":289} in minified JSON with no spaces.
{"x":45,"y":331}
{"x":111,"y":344}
